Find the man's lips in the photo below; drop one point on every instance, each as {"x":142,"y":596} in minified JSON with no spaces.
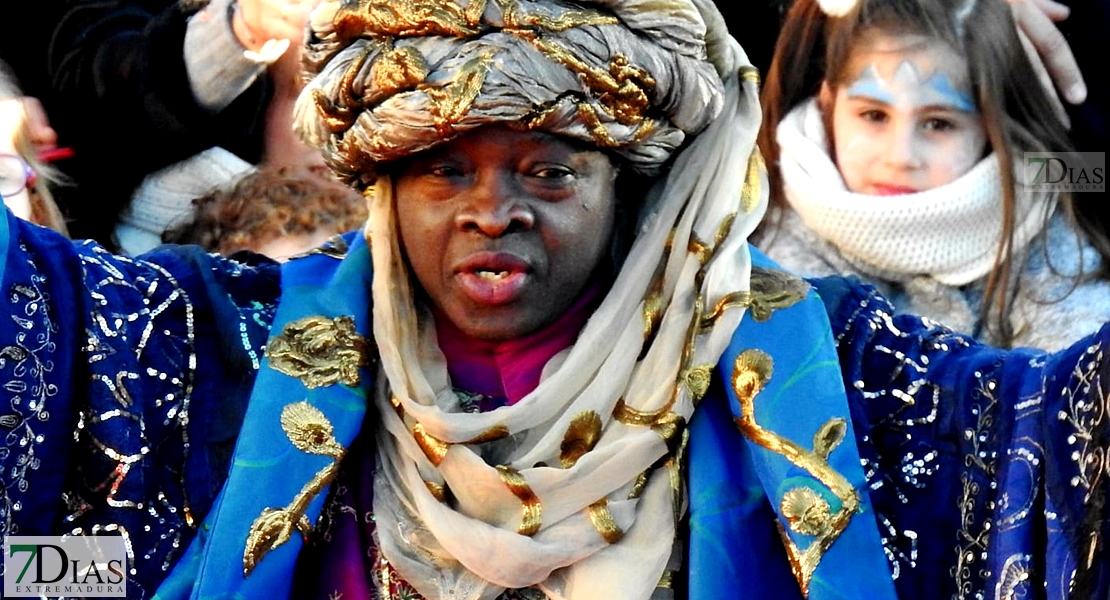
{"x":492,"y":278}
{"x":882,"y":189}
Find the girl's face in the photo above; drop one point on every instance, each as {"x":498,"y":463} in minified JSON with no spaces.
{"x":905,"y":119}
{"x":504,"y":229}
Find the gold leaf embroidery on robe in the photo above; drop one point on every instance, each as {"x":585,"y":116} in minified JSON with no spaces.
{"x":582,"y":434}
{"x":805,"y":510}
{"x":751,"y":190}
{"x":698,"y":380}
{"x":310,"y":431}
{"x":771,"y":290}
{"x":531,"y":509}
{"x":319,"y":351}
{"x":603,"y":521}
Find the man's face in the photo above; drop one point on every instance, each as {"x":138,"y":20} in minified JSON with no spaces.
{"x":504,"y":229}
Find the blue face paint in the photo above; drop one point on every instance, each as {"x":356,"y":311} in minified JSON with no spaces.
{"x":885,"y":115}
{"x":937,"y":91}
{"x":947,"y":94}
{"x":870,"y":85}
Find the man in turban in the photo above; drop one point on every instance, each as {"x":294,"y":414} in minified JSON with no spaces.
{"x":674,"y":423}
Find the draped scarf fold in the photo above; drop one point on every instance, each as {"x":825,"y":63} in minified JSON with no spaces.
{"x":468,"y":505}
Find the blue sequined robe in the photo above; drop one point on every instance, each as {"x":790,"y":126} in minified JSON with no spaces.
{"x":882,"y":456}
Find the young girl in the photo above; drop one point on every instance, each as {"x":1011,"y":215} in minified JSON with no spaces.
{"x":895,"y":137}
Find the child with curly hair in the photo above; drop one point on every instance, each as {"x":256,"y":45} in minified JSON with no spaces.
{"x":275,"y":211}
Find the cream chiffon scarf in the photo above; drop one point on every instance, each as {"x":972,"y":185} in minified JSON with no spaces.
{"x":950,"y":233}
{"x":526,"y":510}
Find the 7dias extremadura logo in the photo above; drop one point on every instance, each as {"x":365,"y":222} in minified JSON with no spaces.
{"x":1064,"y":172}
{"x":87,"y":566}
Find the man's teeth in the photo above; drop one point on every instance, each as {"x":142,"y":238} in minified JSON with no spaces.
{"x":493,"y":275}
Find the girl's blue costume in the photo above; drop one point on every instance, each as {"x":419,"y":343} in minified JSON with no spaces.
{"x":840,"y":450}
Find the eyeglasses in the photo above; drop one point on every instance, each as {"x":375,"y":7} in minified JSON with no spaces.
{"x":15,"y":175}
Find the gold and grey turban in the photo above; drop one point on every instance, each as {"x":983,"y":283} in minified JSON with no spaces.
{"x":394,"y":77}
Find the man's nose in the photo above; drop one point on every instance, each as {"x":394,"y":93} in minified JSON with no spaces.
{"x":495,"y":205}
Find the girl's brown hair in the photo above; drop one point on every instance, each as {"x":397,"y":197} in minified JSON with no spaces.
{"x":1018,"y":114}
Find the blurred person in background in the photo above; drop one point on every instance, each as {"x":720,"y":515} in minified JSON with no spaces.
{"x":25,"y":179}
{"x":137,"y":86}
{"x":278,"y":212}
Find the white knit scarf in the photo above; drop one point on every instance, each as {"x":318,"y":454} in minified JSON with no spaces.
{"x":950,"y":233}
{"x":469,"y":547}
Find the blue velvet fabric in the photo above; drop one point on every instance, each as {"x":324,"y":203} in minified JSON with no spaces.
{"x":984,"y":464}
{"x":124,"y":386}
{"x":729,"y":476}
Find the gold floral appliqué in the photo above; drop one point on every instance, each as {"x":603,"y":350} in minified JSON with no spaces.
{"x":319,"y":351}
{"x":582,"y":434}
{"x":770,"y":290}
{"x":805,"y":510}
{"x":309,"y":431}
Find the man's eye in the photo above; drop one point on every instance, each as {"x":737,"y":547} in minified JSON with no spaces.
{"x":445,"y":171}
{"x":553,"y":173}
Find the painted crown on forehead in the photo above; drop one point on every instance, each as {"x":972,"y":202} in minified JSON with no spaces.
{"x":397,"y":77}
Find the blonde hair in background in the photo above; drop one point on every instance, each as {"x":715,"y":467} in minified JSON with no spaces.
{"x":268,"y":204}
{"x":44,"y":210}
